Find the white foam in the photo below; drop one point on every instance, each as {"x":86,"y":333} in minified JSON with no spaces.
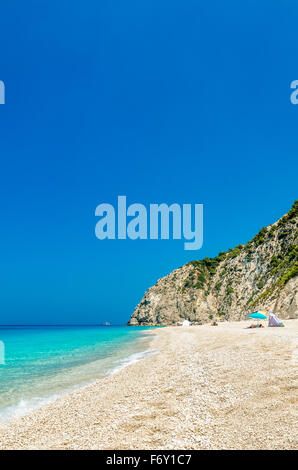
{"x":25,"y":406}
{"x":29,"y":405}
{"x":132,"y":359}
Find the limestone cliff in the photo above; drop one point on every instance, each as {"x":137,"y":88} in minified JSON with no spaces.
{"x":259,"y":275}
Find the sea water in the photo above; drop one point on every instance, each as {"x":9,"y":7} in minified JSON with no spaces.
{"x":42,"y":363}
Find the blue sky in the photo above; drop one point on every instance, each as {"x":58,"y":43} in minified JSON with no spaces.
{"x":161,"y":101}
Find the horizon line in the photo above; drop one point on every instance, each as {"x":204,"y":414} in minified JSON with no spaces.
{"x":61,"y":324}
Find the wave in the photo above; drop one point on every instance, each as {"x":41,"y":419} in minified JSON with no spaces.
{"x":132,"y":359}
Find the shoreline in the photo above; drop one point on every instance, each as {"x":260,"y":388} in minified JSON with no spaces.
{"x":28,"y":405}
{"x":206,"y":388}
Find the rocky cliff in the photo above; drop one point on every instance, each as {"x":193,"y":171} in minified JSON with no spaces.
{"x":259,"y":275}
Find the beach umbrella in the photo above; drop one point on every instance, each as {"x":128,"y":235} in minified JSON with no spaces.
{"x":257,"y":316}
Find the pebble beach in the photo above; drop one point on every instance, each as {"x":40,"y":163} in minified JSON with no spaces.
{"x":206,"y":387}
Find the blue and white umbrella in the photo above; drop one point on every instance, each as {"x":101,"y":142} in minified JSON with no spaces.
{"x":257,"y":316}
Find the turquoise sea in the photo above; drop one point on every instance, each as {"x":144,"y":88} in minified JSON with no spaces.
{"x":41,"y":363}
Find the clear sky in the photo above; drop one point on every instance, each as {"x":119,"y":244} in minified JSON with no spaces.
{"x":161,"y":101}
